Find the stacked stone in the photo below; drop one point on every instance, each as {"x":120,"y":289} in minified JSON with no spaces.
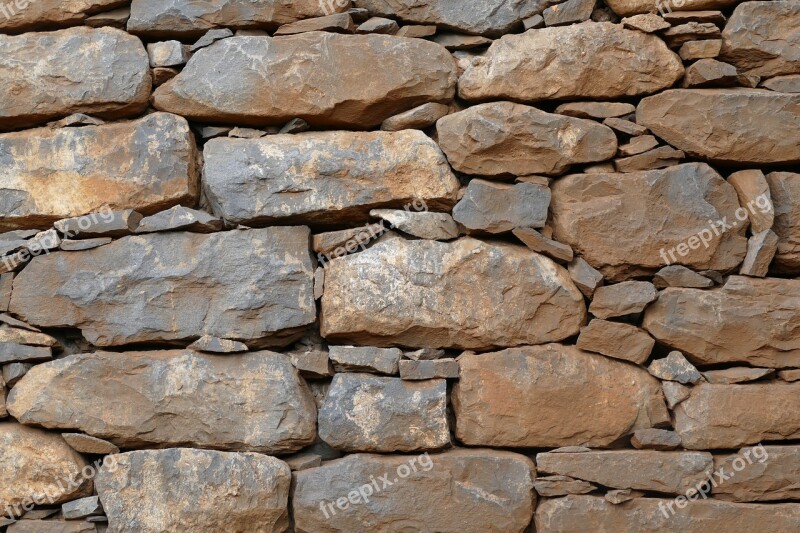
{"x":333,"y":266}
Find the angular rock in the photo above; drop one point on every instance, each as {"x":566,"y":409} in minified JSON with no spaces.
{"x":489,"y":207}
{"x":342,"y":242}
{"x":504,"y":138}
{"x":682,"y":17}
{"x":296,"y":125}
{"x":625,"y":126}
{"x":655,"y":439}
{"x":754,"y":193}
{"x":303,"y":461}
{"x":691,"y":31}
{"x":680,"y":276}
{"x":88,"y":170}
{"x":211,"y":344}
{"x":569,"y":12}
{"x":13,"y":372}
{"x":550,"y":486}
{"x":626,"y":298}
{"x":24,"y":336}
{"x":47,"y":76}
{"x":69,"y":245}
{"x":705,"y":49}
{"x":786,"y":375}
{"x":457,"y":41}
{"x":312,"y":363}
{"x":769,"y":473}
{"x":699,"y":122}
{"x":417,"y":31}
{"x":365,"y":359}
{"x":6,"y":279}
{"x":180,"y":218}
{"x":210,"y":37}
{"x":784,"y":189}
{"x":418,"y":118}
{"x":617,"y":340}
{"x":748,"y":320}
{"x":626,"y":8}
{"x":783,"y":84}
{"x":619,"y":223}
{"x":585,"y":277}
{"x":596,"y":110}
{"x":525,"y":298}
{"x":421,"y":370}
{"x":380,"y":25}
{"x":425,"y":225}
{"x":618,"y":496}
{"x":336,"y":23}
{"x":11,"y":352}
{"x":646,"y":22}
{"x":666,"y":472}
{"x":467,"y":485}
{"x":674,"y":393}
{"x":729,"y":376}
{"x":538,"y":400}
{"x":81,"y":508}
{"x":539,"y":243}
{"x":638,"y":145}
{"x":662,"y":157}
{"x":425,"y":354}
{"x":325,"y":177}
{"x":32,"y":463}
{"x":168,"y":54}
{"x":562,"y":63}
{"x":710,"y":73}
{"x":51,"y":526}
{"x":675,"y":367}
{"x":761,"y":248}
{"x":88,"y":444}
{"x":222,"y":84}
{"x":254,"y":286}
{"x":195,"y":490}
{"x":366,"y":413}
{"x":246,"y":133}
{"x":103,"y":224}
{"x":49,"y":14}
{"x":729,"y":416}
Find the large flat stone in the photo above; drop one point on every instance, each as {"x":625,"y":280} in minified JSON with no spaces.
{"x":224,"y":84}
{"x":49,"y":14}
{"x":626,"y":8}
{"x":733,"y":126}
{"x":47,"y":174}
{"x":784,"y":190}
{"x":729,"y":416}
{"x":747,"y":320}
{"x":504,"y":138}
{"x":45,"y":76}
{"x":593,"y":60}
{"x":760,"y":474}
{"x":192,"y":18}
{"x":421,"y":294}
{"x":628,"y":224}
{"x":254,"y":286}
{"x":550,"y":396}
{"x":325,"y":177}
{"x":248,"y":402}
{"x":180,"y":489}
{"x":474,"y":490}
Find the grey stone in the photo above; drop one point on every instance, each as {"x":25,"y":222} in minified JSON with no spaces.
{"x":211,"y":344}
{"x":13,"y":372}
{"x":489,"y":207}
{"x":675,"y":367}
{"x":378,"y":25}
{"x":76,"y":120}
{"x":783,"y":84}
{"x":303,"y":461}
{"x":680,"y":276}
{"x":419,"y":118}
{"x":425,"y":225}
{"x":569,"y":12}
{"x":11,"y":352}
{"x":41,"y":15}
{"x":620,"y":299}
{"x":539,"y":243}
{"x":82,"y":508}
{"x":180,"y":218}
{"x":646,"y":22}
{"x":246,"y":133}
{"x":365,"y":359}
{"x":116,"y":18}
{"x":761,"y":249}
{"x":457,"y":41}
{"x":421,"y":370}
{"x":655,"y":439}
{"x":51,"y":526}
{"x":168,"y":54}
{"x":312,"y":363}
{"x":69,"y":245}
{"x":417,"y":31}
{"x":210,"y":37}
{"x":296,"y":125}
{"x":337,"y":23}
{"x":425,"y":354}
{"x":103,"y":224}
{"x":674,"y":393}
{"x":551,"y":486}
{"x":585,"y":277}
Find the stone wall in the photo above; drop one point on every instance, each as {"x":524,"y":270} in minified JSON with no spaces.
{"x":439,"y":266}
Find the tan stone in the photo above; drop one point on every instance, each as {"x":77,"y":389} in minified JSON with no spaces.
{"x":705,"y":49}
{"x":761,"y":248}
{"x":754,"y":194}
{"x":49,"y":14}
{"x":617,"y":340}
{"x":784,"y":192}
{"x":561,"y":486}
{"x":760,"y":474}
{"x":621,"y":299}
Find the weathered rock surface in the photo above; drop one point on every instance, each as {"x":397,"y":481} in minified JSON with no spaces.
{"x":88,"y":444}
{"x":620,"y":299}
{"x":366,"y":413}
{"x":591,"y":60}
{"x":180,"y":489}
{"x":729,"y":376}
{"x":254,"y":286}
{"x":655,"y":439}
{"x":180,"y":218}
{"x":680,"y":276}
{"x":596,"y":110}
{"x":476,"y":490}
{"x":700,"y":122}
{"x":761,"y":248}
{"x":729,"y":416}
{"x":784,"y":189}
{"x":325,"y":177}
{"x":783,"y":84}
{"x":33,"y":463}
{"x":249,"y":402}
{"x":628,"y":224}
{"x":769,"y":473}
{"x":49,"y":14}
{"x":645,"y":515}
{"x":617,"y":340}
{"x":49,"y":174}
{"x":222,"y":83}
{"x":675,"y":367}
{"x":667,"y":472}
{"x":189,"y":18}
{"x":746,"y":321}
{"x":504,"y":138}
{"x":46,"y":76}
{"x":561,"y":486}
{"x":625,"y":8}
{"x":425,"y":369}
{"x":425,"y":225}
{"x":536,"y":388}
{"x":489,"y":207}
{"x":365,"y":359}
{"x":418,"y":118}
{"x":525,"y":298}
{"x":754,"y":194}
{"x":541,"y":244}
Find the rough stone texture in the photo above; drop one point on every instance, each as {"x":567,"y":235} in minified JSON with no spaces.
{"x":180,"y":489}
{"x":366,"y":413}
{"x":222,"y":83}
{"x":208,"y":343}
{"x":675,"y":367}
{"x":754,"y":190}
{"x":525,"y":298}
{"x":504,"y":138}
{"x":261,"y":282}
{"x":591,"y":60}
{"x":180,"y":218}
{"x":324,"y":177}
{"x":420,"y":370}
{"x":729,"y":416}
{"x":596,"y":110}
{"x":770,"y":474}
{"x":571,"y":514}
{"x":569,"y":12}
{"x":536,"y":390}
{"x":620,"y":299}
{"x":756,"y":326}
{"x":88,"y":444}
{"x":784,"y":189}
{"x":541,"y":244}
{"x":729,"y":376}
{"x":488,"y":207}
{"x":420,"y":117}
{"x":250,"y":402}
{"x":337,"y":23}
{"x":655,"y":439}
{"x":51,"y":526}
{"x":32,"y":463}
{"x":761,"y":248}
{"x":47,"y":76}
{"x":707,"y":48}
{"x":783,"y":84}
{"x":646,"y":22}
{"x":665,"y":472}
{"x":425,"y":225}
{"x":561,"y":486}
{"x":700,"y":122}
{"x":617,"y":340}
{"x":680,"y":276}
{"x":365,"y":359}
{"x":49,"y":174}
{"x":475,"y":490}
{"x":50,"y":14}
{"x":585,"y":277}
{"x":626,"y":224}
{"x":710,"y":73}
{"x":190,"y":18}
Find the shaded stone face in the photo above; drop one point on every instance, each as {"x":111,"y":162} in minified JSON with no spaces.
{"x":181,"y":489}
{"x":325,"y":178}
{"x":489,"y":207}
{"x":770,"y":473}
{"x":729,"y":416}
{"x":748,"y":320}
{"x":48,"y":174}
{"x":635,"y":223}
{"x":552,"y":395}
{"x":504,"y":138}
{"x":45,"y":76}
{"x":249,"y":402}
{"x":625,"y":8}
{"x":222,"y":84}
{"x":594,"y":60}
{"x":475,"y":491}
{"x":762,"y":130}
{"x":49,"y":14}
{"x":253,"y":286}
{"x":32,"y":463}
{"x":421,"y":295}
{"x":784,"y":190}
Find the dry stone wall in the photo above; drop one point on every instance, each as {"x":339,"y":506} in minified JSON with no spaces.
{"x":373,"y":265}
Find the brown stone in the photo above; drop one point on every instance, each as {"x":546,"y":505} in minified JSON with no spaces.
{"x":638,"y":145}
{"x":744,"y":374}
{"x":760,"y":474}
{"x":550,"y":486}
{"x":662,"y":157}
{"x":596,"y":110}
{"x":710,"y":73}
{"x":88,"y":444}
{"x":761,"y":248}
{"x":50,"y":14}
{"x":682,"y":17}
{"x":336,"y":23}
{"x":705,"y":49}
{"x":419,"y":118}
{"x":365,"y":359}
{"x":425,"y":224}
{"x":457,"y":41}
{"x":585,"y":277}
{"x":784,"y":189}
{"x":691,"y":31}
{"x":655,"y":439}
{"x":626,"y":298}
{"x":680,"y":276}
{"x":539,"y":243}
{"x":783,"y":84}
{"x":625,"y":126}
{"x":675,"y":367}
{"x":786,"y":375}
{"x":617,"y":340}
{"x":754,"y":194}
{"x":413,"y":31}
{"x":104,"y":224}
{"x":646,"y":22}
{"x":331,"y":242}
